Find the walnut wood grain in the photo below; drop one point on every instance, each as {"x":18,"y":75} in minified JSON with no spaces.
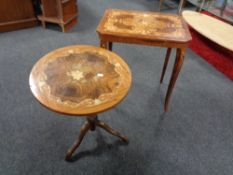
{"x":146,"y":28}
{"x":80,"y":80}
{"x":144,"y":25}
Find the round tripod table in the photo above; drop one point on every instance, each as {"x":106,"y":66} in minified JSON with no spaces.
{"x":81,"y":81}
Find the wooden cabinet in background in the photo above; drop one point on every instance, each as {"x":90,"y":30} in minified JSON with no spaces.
{"x":61,"y":12}
{"x":16,"y":14}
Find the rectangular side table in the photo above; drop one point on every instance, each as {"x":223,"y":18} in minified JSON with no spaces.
{"x":147,"y":28}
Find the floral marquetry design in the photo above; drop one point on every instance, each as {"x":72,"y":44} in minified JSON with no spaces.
{"x":149,"y":29}
{"x":143,"y":24}
{"x":80,"y":80}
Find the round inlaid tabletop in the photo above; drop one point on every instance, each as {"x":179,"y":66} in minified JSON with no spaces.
{"x":80,"y":80}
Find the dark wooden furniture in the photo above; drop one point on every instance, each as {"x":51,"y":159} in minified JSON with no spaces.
{"x":81,"y":81}
{"x":15,"y":14}
{"x":61,"y":12}
{"x":147,"y":28}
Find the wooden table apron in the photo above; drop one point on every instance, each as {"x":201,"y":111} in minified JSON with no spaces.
{"x":106,"y":42}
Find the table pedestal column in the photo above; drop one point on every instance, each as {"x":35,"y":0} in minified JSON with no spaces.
{"x":90,"y":124}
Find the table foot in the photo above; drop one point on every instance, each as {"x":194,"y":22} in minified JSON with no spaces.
{"x":91,"y":124}
{"x":111,"y":131}
{"x":85,"y":127}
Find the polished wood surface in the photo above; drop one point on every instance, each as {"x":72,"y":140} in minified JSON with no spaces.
{"x":144,"y":25}
{"x":80,"y":80}
{"x":212,"y":28}
{"x":147,"y":28}
{"x":16,"y":15}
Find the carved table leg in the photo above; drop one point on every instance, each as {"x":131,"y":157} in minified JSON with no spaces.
{"x":85,"y":127}
{"x":91,"y":124}
{"x":180,"y":53}
{"x":110,"y":46}
{"x":110,"y":130}
{"x":104,"y":44}
{"x":165,"y":64}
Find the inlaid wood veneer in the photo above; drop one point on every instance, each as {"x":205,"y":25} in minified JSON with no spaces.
{"x":80,"y":80}
{"x":147,"y":28}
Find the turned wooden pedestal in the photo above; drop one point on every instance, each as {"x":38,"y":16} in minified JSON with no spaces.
{"x":90,"y":124}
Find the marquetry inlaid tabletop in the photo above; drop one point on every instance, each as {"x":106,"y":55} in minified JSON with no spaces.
{"x":146,"y":25}
{"x":80,"y":80}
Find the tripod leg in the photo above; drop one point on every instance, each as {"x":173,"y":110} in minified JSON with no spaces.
{"x":85,"y":127}
{"x":110,"y":130}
